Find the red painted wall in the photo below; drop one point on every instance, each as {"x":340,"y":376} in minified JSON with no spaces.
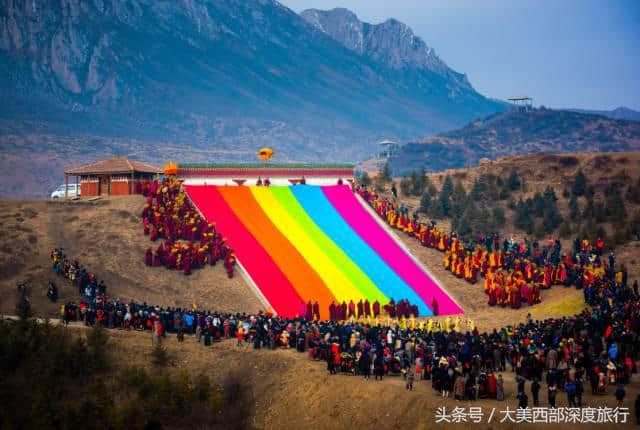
{"x":120,"y":188}
{"x":89,"y":189}
{"x":117,"y":188}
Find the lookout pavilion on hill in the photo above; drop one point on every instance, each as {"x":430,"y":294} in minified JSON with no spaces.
{"x":115,"y":176}
{"x":387,"y":148}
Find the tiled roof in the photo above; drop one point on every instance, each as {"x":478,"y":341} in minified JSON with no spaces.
{"x":113,"y":165}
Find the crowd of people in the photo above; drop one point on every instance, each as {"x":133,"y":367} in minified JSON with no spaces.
{"x":85,"y":281}
{"x":514,"y":272}
{"x":189,"y":242}
{"x":599,"y":346}
{"x":365,"y":309}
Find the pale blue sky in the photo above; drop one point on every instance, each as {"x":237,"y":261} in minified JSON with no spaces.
{"x":563,"y":53}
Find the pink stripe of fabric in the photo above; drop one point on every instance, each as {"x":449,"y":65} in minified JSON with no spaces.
{"x":343,"y":199}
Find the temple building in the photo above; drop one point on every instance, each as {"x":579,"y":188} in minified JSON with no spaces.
{"x":116,"y":176}
{"x":263,"y":173}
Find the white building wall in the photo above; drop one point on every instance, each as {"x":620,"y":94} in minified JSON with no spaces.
{"x":254,"y":180}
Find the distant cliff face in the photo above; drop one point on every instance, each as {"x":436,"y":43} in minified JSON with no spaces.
{"x":390,"y":43}
{"x":249,"y":58}
{"x":203,"y":79}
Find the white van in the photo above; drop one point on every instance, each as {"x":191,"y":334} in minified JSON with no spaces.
{"x":73,"y":191}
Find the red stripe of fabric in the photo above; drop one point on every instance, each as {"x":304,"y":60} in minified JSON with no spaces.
{"x":273,"y":284}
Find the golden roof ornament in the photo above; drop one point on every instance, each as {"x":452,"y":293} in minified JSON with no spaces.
{"x":266,"y":153}
{"x":171,"y":169}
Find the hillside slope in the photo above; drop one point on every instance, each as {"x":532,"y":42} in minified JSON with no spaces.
{"x":517,"y":132}
{"x":536,"y":173}
{"x":293,"y":392}
{"x":107,"y":239}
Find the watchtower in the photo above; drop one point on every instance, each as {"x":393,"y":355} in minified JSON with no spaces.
{"x":521,"y":102}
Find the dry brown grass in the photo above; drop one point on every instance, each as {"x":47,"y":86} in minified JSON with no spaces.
{"x":106,"y":237}
{"x":292,"y":391}
{"x":539,"y":171}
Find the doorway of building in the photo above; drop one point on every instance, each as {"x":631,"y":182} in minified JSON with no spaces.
{"x":104,"y":185}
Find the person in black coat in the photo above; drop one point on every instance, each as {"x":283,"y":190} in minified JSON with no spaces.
{"x":523,"y":400}
{"x":378,"y":366}
{"x":620,"y":393}
{"x":551,"y":393}
{"x":364,"y":365}
{"x":330,"y":366}
{"x":52,"y":292}
{"x":535,"y":390}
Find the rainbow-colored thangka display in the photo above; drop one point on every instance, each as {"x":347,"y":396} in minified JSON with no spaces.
{"x":315,"y":243}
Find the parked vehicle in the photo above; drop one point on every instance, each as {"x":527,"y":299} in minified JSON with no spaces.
{"x":72,"y":191}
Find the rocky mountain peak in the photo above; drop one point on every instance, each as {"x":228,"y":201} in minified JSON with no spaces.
{"x":391,"y":43}
{"x":212,"y":78}
{"x":340,"y":24}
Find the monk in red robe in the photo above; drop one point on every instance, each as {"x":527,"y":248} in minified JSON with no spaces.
{"x":332,"y":311}
{"x":434,"y":307}
{"x":501,"y":295}
{"x":229,"y":262}
{"x":309,"y":311}
{"x":401,"y":309}
{"x":491,"y":386}
{"x":515,"y":297}
{"x":316,"y":311}
{"x":172,"y":260}
{"x":414,"y":310}
{"x":376,"y":309}
{"x":527,"y":294}
{"x":360,"y":309}
{"x":186,"y":263}
{"x":148,"y":257}
{"x":493,"y":296}
{"x":547,"y":276}
{"x":367,"y":308}
{"x":213,"y":254}
{"x":535,"y":294}
{"x":390,"y":308}
{"x":352,"y":309}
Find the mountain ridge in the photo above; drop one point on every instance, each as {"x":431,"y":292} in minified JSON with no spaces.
{"x":391,"y":42}
{"x":517,"y":132}
{"x":199,"y":80}
{"x":236,"y":58}
{"x":620,"y":112}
